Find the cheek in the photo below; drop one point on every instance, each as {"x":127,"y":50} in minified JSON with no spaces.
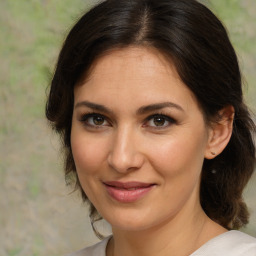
{"x":88,"y":153}
{"x":179,"y":164}
{"x":178,"y":156}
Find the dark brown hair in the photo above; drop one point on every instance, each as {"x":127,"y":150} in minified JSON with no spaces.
{"x":192,"y":37}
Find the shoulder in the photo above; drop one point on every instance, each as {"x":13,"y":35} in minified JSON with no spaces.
{"x":233,"y":243}
{"x":98,"y":249}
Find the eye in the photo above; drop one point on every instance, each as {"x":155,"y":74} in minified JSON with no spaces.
{"x":94,"y":120}
{"x":159,"y":121}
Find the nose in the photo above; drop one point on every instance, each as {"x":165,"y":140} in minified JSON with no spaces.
{"x":125,"y":155}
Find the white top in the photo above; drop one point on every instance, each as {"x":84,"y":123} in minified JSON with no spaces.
{"x":231,"y":243}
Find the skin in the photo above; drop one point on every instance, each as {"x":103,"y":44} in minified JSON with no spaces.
{"x":125,"y":144}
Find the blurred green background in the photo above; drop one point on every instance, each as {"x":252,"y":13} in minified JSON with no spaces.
{"x":38,"y":216}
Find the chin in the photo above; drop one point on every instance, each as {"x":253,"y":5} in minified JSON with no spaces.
{"x":133,"y":220}
{"x":126,"y":220}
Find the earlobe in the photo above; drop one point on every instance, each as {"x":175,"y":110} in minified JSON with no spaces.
{"x":220,"y":132}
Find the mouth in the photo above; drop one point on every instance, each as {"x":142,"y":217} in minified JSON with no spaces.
{"x":127,"y":192}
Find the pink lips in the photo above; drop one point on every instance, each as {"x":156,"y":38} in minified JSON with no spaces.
{"x":127,"y":192}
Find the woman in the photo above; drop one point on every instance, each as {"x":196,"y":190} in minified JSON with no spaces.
{"x":148,"y":101}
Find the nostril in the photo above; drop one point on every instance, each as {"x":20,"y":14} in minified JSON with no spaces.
{"x":125,"y":163}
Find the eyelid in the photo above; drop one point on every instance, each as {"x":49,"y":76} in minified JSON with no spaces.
{"x":85,"y":116}
{"x":160,"y":115}
{"x":166,"y":117}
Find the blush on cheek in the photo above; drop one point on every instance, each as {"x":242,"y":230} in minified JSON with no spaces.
{"x":84,"y":160}
{"x":178,"y":158}
{"x":88,"y":153}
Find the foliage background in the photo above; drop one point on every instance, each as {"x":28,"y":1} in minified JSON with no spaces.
{"x":38,"y":215}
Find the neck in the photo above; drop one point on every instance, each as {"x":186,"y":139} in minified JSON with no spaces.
{"x":180,"y":236}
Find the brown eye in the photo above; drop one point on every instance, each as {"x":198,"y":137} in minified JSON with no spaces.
{"x":159,"y":121}
{"x":94,"y":120}
{"x":98,"y":120}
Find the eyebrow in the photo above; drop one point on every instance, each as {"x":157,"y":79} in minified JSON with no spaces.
{"x":158,"y":106}
{"x":93,"y":106}
{"x":140,"y":111}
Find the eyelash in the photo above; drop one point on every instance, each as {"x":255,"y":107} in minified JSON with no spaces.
{"x":85,"y":117}
{"x":166,"y":118}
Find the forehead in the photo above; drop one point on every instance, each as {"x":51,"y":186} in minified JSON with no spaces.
{"x":135,"y":76}
{"x":133,"y":60}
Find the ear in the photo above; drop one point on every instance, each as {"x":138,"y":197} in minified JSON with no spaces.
{"x":220,"y":132}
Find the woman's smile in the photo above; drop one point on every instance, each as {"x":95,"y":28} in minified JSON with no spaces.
{"x":128,"y":192}
{"x":138,"y":139}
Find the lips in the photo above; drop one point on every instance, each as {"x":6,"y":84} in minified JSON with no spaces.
{"x":127,"y":192}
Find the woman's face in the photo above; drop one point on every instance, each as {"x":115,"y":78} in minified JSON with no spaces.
{"x":138,"y":140}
